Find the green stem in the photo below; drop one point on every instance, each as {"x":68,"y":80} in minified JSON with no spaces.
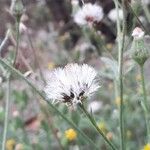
{"x":121,"y":40}
{"x":92,"y":120}
{"x":4,"y":42}
{"x":121,"y":102}
{"x":17,"y":40}
{"x":6,"y":113}
{"x":116,"y":88}
{"x":19,"y":74}
{"x":144,"y":104}
{"x":8,"y":83}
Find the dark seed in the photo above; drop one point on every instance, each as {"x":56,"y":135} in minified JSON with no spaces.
{"x":71,"y":95}
{"x":66,"y":97}
{"x":81,"y":94}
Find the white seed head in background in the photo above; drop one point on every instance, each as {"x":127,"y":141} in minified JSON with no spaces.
{"x":72,"y":84}
{"x":138,"y":33}
{"x":74,"y":2}
{"x":146,"y":2}
{"x":95,"y":106}
{"x":1,"y":79}
{"x":89,"y":14}
{"x":112,"y":15}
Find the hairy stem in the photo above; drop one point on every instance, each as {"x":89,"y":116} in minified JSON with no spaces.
{"x":5,"y":41}
{"x":17,"y":41}
{"x":92,"y":120}
{"x":121,"y":40}
{"x":6,"y":113}
{"x":8,"y":81}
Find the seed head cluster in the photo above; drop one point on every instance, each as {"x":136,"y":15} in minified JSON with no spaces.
{"x":72,"y":84}
{"x":89,"y":14}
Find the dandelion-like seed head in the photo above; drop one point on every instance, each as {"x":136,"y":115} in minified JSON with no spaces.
{"x":146,"y":2}
{"x":89,"y":14}
{"x":72,"y":84}
{"x":113,"y":15}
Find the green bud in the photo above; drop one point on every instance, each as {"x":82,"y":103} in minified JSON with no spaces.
{"x":17,"y":9}
{"x":139,"y":51}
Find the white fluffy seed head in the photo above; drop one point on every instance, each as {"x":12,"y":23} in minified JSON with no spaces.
{"x":72,"y":84}
{"x":113,"y":15}
{"x":146,"y":2}
{"x":89,"y":14}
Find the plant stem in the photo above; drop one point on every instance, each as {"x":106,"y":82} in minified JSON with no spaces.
{"x":121,"y":102}
{"x":92,"y":120}
{"x":17,"y":41}
{"x":121,"y":40}
{"x":5,"y":41}
{"x":144,"y":104}
{"x":115,"y":88}
{"x":82,"y":2}
{"x":8,"y":77}
{"x":8,"y":81}
{"x":6,"y":113}
{"x":19,"y":74}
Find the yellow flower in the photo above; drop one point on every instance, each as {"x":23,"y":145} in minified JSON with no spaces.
{"x":64,"y":37}
{"x":50,"y":65}
{"x":146,"y":147}
{"x":110,"y":86}
{"x":102,"y":126}
{"x":10,"y":144}
{"x":138,"y":77}
{"x":71,"y":134}
{"x":117,"y":101}
{"x":109,"y":46}
{"x":129,"y":134}
{"x":139,"y":90}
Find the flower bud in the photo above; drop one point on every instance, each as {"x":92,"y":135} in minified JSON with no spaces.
{"x":139,"y":51}
{"x":17,"y":9}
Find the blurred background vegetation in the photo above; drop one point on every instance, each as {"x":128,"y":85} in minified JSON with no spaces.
{"x":50,"y":38}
